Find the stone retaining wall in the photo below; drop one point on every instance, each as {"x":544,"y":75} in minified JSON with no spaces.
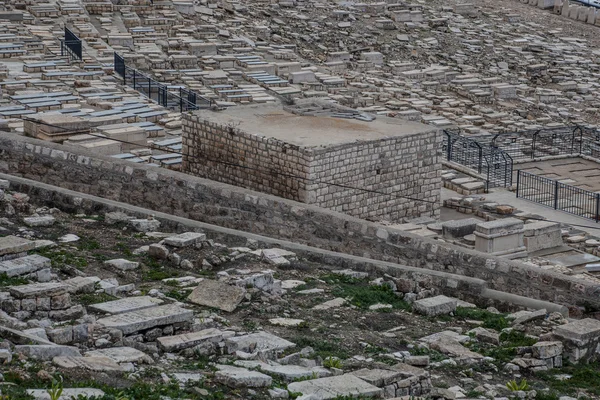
{"x":229,"y":206}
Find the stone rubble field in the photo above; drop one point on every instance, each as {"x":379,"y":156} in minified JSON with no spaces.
{"x":112,"y":307}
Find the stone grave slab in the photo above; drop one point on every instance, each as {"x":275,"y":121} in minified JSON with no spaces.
{"x":240,"y":377}
{"x":16,"y":336}
{"x":47,"y":289}
{"x":24,"y":265}
{"x":67,"y":393}
{"x":88,"y":363}
{"x":217,"y":294}
{"x":185,"y":239}
{"x":186,"y":340}
{"x":47,"y":352}
{"x":433,"y":306}
{"x":126,"y":305}
{"x":122,"y":355}
{"x":257,"y":342}
{"x":14,"y":244}
{"x":289,"y":373}
{"x":336,"y":386}
{"x":134,"y":321}
{"x":579,"y":331}
{"x":122,"y":264}
{"x":46,"y":220}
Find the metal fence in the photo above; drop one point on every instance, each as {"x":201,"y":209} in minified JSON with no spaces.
{"x":172,"y":97}
{"x":560,"y":141}
{"x":71,"y":46}
{"x":557,"y":195}
{"x":493,"y":163}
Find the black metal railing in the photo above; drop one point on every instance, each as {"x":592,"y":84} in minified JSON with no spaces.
{"x":557,"y":195}
{"x":172,"y":97}
{"x":493,"y":163}
{"x":71,"y":46}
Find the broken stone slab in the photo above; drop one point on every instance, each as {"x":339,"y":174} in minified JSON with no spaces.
{"x":122,"y":355}
{"x":98,"y":364}
{"x":67,"y":393}
{"x":457,"y":229}
{"x":535,"y":315}
{"x":15,"y":245}
{"x":545,"y":350}
{"x":291,"y":284}
{"x":24,"y":265}
{"x":288,"y":322}
{"x":81,"y":284}
{"x":451,"y":347}
{"x":486,"y":336}
{"x":46,"y":220}
{"x":257,"y":342}
{"x":187,"y":340}
{"x":47,"y":352}
{"x":122,"y":264}
{"x":145,"y":225}
{"x":351,"y":273}
{"x":289,"y":373}
{"x":336,"y":386}
{"x":432,"y":306}
{"x":335,"y":303}
{"x":185,"y":377}
{"x":20,"y":337}
{"x":185,"y":239}
{"x":580,"y":332}
{"x":126,"y":305}
{"x":48,"y":289}
{"x":217,"y":294}
{"x":277,"y":256}
{"x":134,"y":321}
{"x":237,"y":377}
{"x":378,"y":377}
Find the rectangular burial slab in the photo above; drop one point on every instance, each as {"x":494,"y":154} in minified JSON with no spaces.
{"x":254,"y":342}
{"x":241,"y":377}
{"x":289,"y":373}
{"x":24,"y":265}
{"x":433,"y":306}
{"x":87,"y":363}
{"x":14,"y":244}
{"x":126,"y":305}
{"x":186,"y":340}
{"x":135,"y":321}
{"x":47,"y":352}
{"x":579,"y":331}
{"x":121,"y":355}
{"x":48,"y":289}
{"x":185,"y":239}
{"x":336,"y":386}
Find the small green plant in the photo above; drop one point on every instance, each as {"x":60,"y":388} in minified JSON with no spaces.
{"x":513,"y":386}
{"x":88,"y":244}
{"x":303,"y":326}
{"x":332,"y":362}
{"x":11,"y":281}
{"x":56,"y":390}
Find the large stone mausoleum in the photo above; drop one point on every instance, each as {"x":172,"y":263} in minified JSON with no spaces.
{"x":381,"y":169}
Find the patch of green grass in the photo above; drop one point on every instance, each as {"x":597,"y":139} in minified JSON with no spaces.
{"x":94,"y":298}
{"x":62,"y":257}
{"x":363,"y":295}
{"x":584,"y":377}
{"x":434,"y":355}
{"x":156,"y":272}
{"x":545,"y":395}
{"x":490,"y":320}
{"x":509,"y":342}
{"x":88,"y":244}
{"x":123,"y":249}
{"x":12,"y":281}
{"x":323,"y":348}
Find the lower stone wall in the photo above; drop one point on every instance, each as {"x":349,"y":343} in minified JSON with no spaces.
{"x":229,"y":206}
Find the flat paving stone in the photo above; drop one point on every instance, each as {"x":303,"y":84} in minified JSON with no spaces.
{"x":24,"y":265}
{"x":187,"y":340}
{"x":336,"y":386}
{"x":126,"y":305}
{"x":135,"y":321}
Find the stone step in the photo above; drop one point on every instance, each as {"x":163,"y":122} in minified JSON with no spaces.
{"x":24,"y":265}
{"x":126,"y":305}
{"x":187,"y":340}
{"x":135,"y":321}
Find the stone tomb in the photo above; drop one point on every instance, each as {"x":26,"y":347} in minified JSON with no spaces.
{"x":126,"y":305}
{"x":148,"y":318}
{"x":542,"y":235}
{"x":503,"y":238}
{"x":581,"y":340}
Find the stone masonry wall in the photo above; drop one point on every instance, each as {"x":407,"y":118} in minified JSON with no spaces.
{"x":399,"y":166}
{"x":233,"y":207}
{"x":393,"y":167}
{"x":226,"y":154}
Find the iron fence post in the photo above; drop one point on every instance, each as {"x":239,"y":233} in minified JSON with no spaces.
{"x":518,"y":181}
{"x":134,"y":78}
{"x":533,"y":144}
{"x":556,"y":195}
{"x":180,"y":101}
{"x":597,"y":207}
